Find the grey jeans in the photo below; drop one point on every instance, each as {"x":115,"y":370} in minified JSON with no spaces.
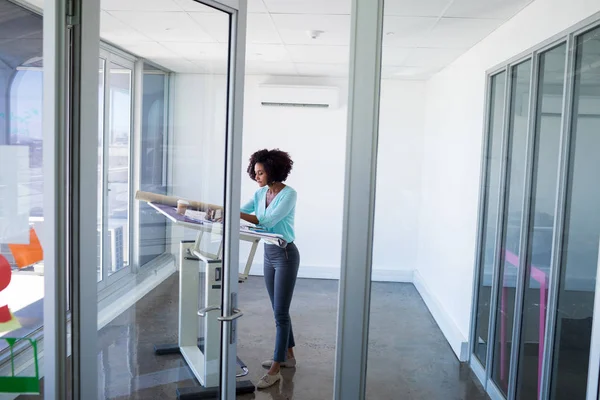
{"x":281,"y":269}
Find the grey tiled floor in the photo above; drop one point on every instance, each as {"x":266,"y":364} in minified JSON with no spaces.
{"x":409,"y":357}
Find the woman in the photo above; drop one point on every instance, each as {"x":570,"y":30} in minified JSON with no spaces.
{"x":273,"y":208}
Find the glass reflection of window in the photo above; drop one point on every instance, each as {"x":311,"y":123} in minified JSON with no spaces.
{"x":153,"y":227}
{"x":25,"y":117}
{"x":101,"y":65}
{"x":117,"y":229}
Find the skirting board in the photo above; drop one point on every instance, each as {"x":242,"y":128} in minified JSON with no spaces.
{"x":455,"y":338}
{"x":379,"y":274}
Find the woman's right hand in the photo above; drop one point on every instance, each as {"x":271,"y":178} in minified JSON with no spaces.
{"x":210,"y":214}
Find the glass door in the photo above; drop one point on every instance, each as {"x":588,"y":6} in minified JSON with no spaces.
{"x":225,"y":135}
{"x":180,"y":325}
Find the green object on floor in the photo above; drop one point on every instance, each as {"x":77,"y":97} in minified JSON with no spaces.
{"x":21,"y":384}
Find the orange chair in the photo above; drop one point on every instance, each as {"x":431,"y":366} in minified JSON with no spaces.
{"x":27,"y":254}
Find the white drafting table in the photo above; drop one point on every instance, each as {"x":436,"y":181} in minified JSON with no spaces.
{"x":201,"y":350}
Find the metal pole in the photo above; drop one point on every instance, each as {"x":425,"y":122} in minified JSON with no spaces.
{"x":84,"y":21}
{"x":136,"y":165}
{"x":359,"y":200}
{"x":55,"y":198}
{"x":233,"y":165}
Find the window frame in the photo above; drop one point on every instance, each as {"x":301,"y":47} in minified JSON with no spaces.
{"x":112,"y":58}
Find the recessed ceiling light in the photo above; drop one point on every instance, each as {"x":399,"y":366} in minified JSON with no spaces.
{"x":314,"y":34}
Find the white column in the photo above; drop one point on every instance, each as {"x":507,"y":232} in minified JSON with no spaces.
{"x":359,"y":200}
{"x":136,"y":164}
{"x":55,"y":162}
{"x":84,"y":185}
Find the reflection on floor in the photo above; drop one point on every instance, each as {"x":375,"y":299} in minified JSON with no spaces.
{"x":408,"y":355}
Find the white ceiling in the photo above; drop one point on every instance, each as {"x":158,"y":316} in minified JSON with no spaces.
{"x":420,"y":36}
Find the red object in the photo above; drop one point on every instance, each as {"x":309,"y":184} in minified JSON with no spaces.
{"x":541,"y":277}
{"x":5,"y":277}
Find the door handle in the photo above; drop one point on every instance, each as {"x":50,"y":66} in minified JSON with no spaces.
{"x":236,"y":314}
{"x":203,"y":311}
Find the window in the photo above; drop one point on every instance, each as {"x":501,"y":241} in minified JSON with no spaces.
{"x":492,"y":186}
{"x":511,"y":237}
{"x":152,"y":226}
{"x":114,"y":183}
{"x":543,"y":197}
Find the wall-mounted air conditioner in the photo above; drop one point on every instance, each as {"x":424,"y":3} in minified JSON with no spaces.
{"x":115,"y":249}
{"x":299,"y":96}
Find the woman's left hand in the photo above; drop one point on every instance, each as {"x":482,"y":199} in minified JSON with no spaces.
{"x":214,"y":215}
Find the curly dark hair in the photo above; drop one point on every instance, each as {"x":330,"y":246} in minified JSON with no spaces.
{"x":277,"y":164}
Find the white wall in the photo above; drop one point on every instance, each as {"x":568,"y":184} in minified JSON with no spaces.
{"x":452,"y":154}
{"x":197,"y":148}
{"x":316,"y":140}
{"x":197,"y":143}
{"x":401,"y":124}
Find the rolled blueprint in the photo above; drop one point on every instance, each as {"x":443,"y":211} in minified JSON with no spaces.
{"x":172,"y":201}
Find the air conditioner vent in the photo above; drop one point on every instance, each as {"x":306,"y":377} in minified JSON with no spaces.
{"x":299,"y":96}
{"x":307,"y":105}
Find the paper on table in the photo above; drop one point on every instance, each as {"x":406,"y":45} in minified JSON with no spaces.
{"x":258,"y":229}
{"x":199,"y":216}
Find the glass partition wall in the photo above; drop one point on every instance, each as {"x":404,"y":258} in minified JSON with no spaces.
{"x":534,"y":318}
{"x":118,"y":174}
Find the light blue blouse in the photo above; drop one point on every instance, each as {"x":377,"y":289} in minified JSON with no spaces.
{"x":279,"y":216}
